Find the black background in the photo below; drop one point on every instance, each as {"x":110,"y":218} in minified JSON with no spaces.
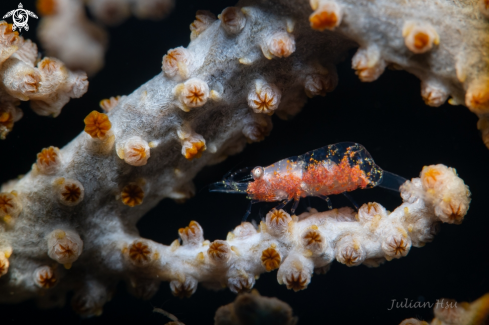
{"x":388,"y":117}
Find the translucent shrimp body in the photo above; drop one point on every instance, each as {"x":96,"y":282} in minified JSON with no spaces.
{"x":335,"y":169}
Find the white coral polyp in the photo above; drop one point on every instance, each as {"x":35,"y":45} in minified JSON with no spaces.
{"x":244,"y":230}
{"x":232,"y":20}
{"x":368,"y":63}
{"x":396,"y":246}
{"x":44,"y":277}
{"x":281,"y":44}
{"x":185,"y":288}
{"x":351,"y":253}
{"x":257,"y":127}
{"x":4,"y":264}
{"x":78,"y":81}
{"x":176,"y":62}
{"x":136,"y":151}
{"x":419,"y":37}
{"x":433,"y":94}
{"x":70,"y":192}
{"x":194,"y":93}
{"x":9,"y":114}
{"x":203,"y":19}
{"x":110,"y":12}
{"x":20,"y":79}
{"x":241,"y":284}
{"x":295,"y":272}
{"x":64,"y":246}
{"x":152,"y":9}
{"x":10,"y":205}
{"x":264,"y":98}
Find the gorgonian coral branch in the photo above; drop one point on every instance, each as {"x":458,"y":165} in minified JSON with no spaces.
{"x":66,"y":33}
{"x":78,"y":206}
{"x":299,"y":245}
{"x":46,"y":83}
{"x":295,"y":245}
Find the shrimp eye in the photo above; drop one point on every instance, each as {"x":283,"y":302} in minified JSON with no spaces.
{"x":258,"y":172}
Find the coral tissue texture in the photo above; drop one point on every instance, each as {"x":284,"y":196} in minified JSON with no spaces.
{"x":46,"y":83}
{"x":69,"y":224}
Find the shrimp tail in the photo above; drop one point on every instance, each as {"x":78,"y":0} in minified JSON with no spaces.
{"x":391,"y":181}
{"x":229,"y":187}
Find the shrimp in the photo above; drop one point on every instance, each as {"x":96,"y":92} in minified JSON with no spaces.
{"x":335,"y":169}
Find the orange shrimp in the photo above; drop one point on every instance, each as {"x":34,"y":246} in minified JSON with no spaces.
{"x":334,"y":169}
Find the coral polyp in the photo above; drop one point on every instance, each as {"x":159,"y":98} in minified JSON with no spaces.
{"x":193,"y":93}
{"x":270,"y":259}
{"x":419,"y":37}
{"x":45,"y":277}
{"x":132,"y":195}
{"x":108,"y":104}
{"x":203,"y":19}
{"x":64,"y":246}
{"x":141,"y":253}
{"x":10,"y":206}
{"x":264,"y":98}
{"x":327,"y":15}
{"x":48,"y":160}
{"x":70,"y":192}
{"x":136,"y":151}
{"x":232,"y":20}
{"x":4,"y":264}
{"x":219,"y":251}
{"x":97,"y":124}
{"x":176,"y":62}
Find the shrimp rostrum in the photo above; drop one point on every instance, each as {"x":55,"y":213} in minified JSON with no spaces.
{"x":335,"y":169}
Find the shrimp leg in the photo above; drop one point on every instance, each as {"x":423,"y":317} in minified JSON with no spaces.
{"x":325,"y":198}
{"x":282,"y":205}
{"x":307,"y":202}
{"x":248,"y":211}
{"x":296,"y":204}
{"x":348,"y":196}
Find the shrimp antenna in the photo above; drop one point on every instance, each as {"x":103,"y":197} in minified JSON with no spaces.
{"x":228,"y":187}
{"x":229,"y":177}
{"x":204,"y":187}
{"x":238,"y":172}
{"x":231,"y":170}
